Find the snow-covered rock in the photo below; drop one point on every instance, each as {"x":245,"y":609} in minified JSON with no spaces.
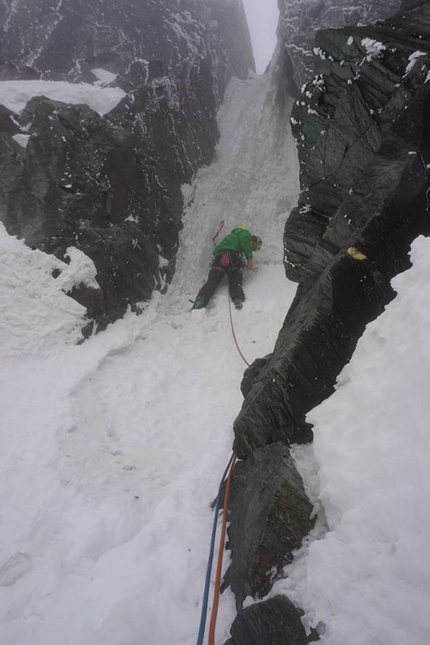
{"x":364,"y":147}
{"x":123,"y":97}
{"x":301,"y":19}
{"x":361,"y":125}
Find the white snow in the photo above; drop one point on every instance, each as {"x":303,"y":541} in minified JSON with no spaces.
{"x":80,"y":270}
{"x":112,"y":450}
{"x":413,"y":58}
{"x":36,"y":317}
{"x":319,"y":52}
{"x":104,"y":77}
{"x":374,"y":49}
{"x":368,"y":579}
{"x":15,"y":94}
{"x":22,"y":139}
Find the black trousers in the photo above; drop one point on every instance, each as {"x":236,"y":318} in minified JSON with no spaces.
{"x":224,"y":263}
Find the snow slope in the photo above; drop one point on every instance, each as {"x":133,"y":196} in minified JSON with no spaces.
{"x":113,"y":449}
{"x":368,"y":581}
{"x":15,"y":94}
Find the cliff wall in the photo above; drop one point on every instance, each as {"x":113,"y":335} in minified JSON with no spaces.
{"x":111,"y":185}
{"x":362,"y":129}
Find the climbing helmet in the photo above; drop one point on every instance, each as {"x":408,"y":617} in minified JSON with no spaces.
{"x":256,"y":241}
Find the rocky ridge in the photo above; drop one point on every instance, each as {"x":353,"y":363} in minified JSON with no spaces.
{"x":111,"y":185}
{"x":361,"y":126}
{"x":301,"y":19}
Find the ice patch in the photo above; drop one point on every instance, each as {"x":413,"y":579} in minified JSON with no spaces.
{"x":16,"y":94}
{"x":22,"y":139}
{"x":36,"y":316}
{"x":104,"y":77}
{"x":412,"y":61}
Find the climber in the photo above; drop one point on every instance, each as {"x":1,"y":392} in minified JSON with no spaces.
{"x":231,"y":256}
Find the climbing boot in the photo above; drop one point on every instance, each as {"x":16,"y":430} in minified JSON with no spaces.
{"x":198,"y":303}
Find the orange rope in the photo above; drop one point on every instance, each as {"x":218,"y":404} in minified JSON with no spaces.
{"x":217,"y":593}
{"x":214,"y":614}
{"x":232,"y":329}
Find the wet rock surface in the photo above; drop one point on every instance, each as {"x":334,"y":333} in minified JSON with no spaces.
{"x":365,"y":83}
{"x":273,"y":622}
{"x":370,"y":194}
{"x":301,"y":19}
{"x":252,"y":373}
{"x":111,"y":185}
{"x":270,"y":516}
{"x":363,"y":134}
{"x":125,"y":37}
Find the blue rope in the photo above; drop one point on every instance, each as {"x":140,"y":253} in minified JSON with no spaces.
{"x":210,"y":560}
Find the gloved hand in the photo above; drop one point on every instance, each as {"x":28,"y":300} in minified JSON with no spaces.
{"x":250,"y":265}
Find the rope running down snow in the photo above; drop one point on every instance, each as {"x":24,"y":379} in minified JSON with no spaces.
{"x":234,"y":334}
{"x":229,"y":470}
{"x":217,"y":588}
{"x":201,"y":633}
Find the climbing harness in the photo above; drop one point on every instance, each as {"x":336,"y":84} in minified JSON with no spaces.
{"x":225,"y":260}
{"x":203,"y":617}
{"x":234,"y":333}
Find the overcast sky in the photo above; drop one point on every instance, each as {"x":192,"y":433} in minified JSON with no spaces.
{"x":262,"y":19}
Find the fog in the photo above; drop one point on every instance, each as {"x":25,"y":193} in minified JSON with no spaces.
{"x":262,"y":19}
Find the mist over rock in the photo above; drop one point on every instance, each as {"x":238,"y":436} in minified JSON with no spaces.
{"x":70,"y":40}
{"x":301,"y":19}
{"x":111,"y":184}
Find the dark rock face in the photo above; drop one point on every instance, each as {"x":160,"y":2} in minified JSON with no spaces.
{"x":252,"y":373}
{"x":273,"y":622}
{"x":363,"y":132}
{"x":270,"y":517}
{"x":7,"y":123}
{"x":11,"y":163}
{"x":341,"y":122}
{"x":122,"y":36}
{"x":300,"y":19}
{"x":411,"y":4}
{"x":371,"y":197}
{"x":111,"y":185}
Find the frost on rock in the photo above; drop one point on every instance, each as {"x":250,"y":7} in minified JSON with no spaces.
{"x":16,"y":94}
{"x":344,"y":119}
{"x":80,"y":270}
{"x":113,"y":137}
{"x":413,"y":59}
{"x":301,"y":19}
{"x":360,"y":186}
{"x":36,"y":316}
{"x":374,"y":49}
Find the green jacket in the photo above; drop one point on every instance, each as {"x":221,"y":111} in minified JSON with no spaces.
{"x":238,"y":240}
